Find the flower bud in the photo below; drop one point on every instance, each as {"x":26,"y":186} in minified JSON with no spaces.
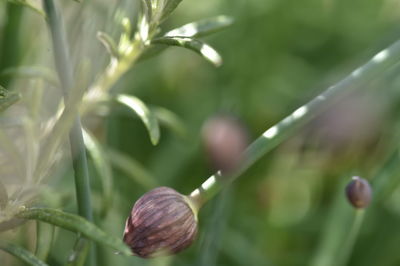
{"x":162,"y":222}
{"x":225,"y":140}
{"x":359,"y":192}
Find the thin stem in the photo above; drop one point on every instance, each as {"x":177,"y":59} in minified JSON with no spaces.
{"x":77,"y":145}
{"x":275,"y":135}
{"x":21,"y":253}
{"x":351,"y":237}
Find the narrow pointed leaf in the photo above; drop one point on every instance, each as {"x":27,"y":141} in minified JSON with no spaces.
{"x":148,"y":118}
{"x":132,"y":168}
{"x":44,"y":239}
{"x":195,"y":45}
{"x":108,"y":43}
{"x":21,"y":253}
{"x":75,"y":224}
{"x":147,"y":9}
{"x":169,"y":7}
{"x":79,"y":252}
{"x":28,"y":4}
{"x":102,"y":166}
{"x":195,"y":29}
{"x":201,"y":28}
{"x":171,"y":121}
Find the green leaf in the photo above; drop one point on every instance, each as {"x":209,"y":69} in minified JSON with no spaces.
{"x":169,"y":6}
{"x":195,"y":29}
{"x":28,"y":4}
{"x":109,"y":44}
{"x":148,"y":118}
{"x":21,"y":253}
{"x":201,"y":28}
{"x":103,"y":168}
{"x":195,"y":45}
{"x":31,"y":72}
{"x":79,"y":252}
{"x":147,"y":9}
{"x":132,"y":168}
{"x":44,"y":239}
{"x":170,"y":120}
{"x":7,"y":98}
{"x":75,"y":224}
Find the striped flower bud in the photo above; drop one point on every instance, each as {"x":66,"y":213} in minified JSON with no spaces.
{"x":225,"y":140}
{"x":162,"y":222}
{"x":359,"y":192}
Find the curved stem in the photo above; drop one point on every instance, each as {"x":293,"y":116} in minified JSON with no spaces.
{"x":275,"y":135}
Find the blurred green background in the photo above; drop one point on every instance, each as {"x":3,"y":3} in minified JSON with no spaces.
{"x":289,"y":208}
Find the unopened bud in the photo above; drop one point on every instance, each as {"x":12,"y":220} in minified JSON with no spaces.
{"x":225,"y":140}
{"x":162,"y":222}
{"x":359,"y":192}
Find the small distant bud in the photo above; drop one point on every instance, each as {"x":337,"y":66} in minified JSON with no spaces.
{"x":225,"y":140}
{"x":359,"y":192}
{"x":162,"y":222}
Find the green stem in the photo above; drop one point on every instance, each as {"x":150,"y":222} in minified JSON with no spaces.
{"x":21,"y":253}
{"x":77,"y":145}
{"x":351,"y":237}
{"x":275,"y":135}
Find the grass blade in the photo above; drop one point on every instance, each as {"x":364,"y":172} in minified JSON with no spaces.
{"x":148,"y":118}
{"x":147,"y":9}
{"x":201,"y":28}
{"x":44,"y":239}
{"x":28,"y":4}
{"x":108,"y":43}
{"x":132,"y":169}
{"x":169,"y":7}
{"x":75,"y":224}
{"x":205,"y":50}
{"x":103,"y":168}
{"x":79,"y":253}
{"x":272,"y":137}
{"x":21,"y":253}
{"x":171,"y":121}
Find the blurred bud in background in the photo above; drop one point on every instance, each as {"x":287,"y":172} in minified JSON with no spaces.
{"x":225,"y":139}
{"x":350,"y":131}
{"x":359,"y":192}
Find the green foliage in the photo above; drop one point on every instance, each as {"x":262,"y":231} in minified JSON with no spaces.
{"x":76,"y":224}
{"x":132,"y":169}
{"x":167,"y":7}
{"x":21,"y":253}
{"x":103,"y":168}
{"x":29,"y":4}
{"x":45,"y":235}
{"x":201,"y":28}
{"x":195,"y":45}
{"x":109,"y":44}
{"x":288,"y":208}
{"x":148,"y":118}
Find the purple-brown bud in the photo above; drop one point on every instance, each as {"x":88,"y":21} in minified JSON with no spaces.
{"x":225,"y":140}
{"x":162,"y":222}
{"x":359,"y":192}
